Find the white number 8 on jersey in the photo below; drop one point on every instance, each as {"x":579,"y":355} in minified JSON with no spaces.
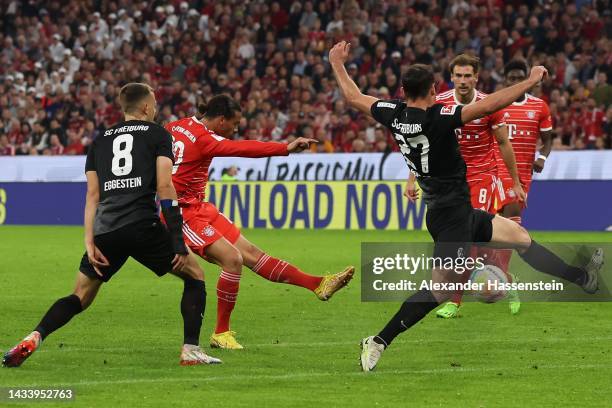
{"x":122,"y":149}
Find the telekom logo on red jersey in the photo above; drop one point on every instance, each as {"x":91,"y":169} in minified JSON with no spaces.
{"x":511,"y":130}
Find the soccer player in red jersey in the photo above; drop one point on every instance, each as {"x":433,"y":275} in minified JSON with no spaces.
{"x":528,"y":119}
{"x":208,"y":232}
{"x":477,"y":138}
{"x":477,"y":142}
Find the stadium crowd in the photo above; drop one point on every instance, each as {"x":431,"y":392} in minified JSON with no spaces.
{"x":62,"y":63}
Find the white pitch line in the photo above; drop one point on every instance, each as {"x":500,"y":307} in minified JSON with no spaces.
{"x":343,"y":343}
{"x":238,"y":378}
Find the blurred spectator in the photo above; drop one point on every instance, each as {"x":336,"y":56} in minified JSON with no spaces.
{"x":592,"y":122}
{"x":6,"y":148}
{"x":55,"y":146}
{"x":63,"y":63}
{"x":325,"y":145}
{"x":229,"y":174}
{"x":75,"y":142}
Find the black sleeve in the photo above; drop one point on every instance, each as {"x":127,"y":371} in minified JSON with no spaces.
{"x":447,"y":117}
{"x":384,"y":111}
{"x":163,"y":145}
{"x":90,"y":162}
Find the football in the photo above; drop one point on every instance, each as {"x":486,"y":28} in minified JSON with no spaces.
{"x":489,"y":276}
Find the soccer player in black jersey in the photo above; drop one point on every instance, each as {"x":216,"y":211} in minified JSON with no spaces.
{"x":126,"y":167}
{"x":425,"y":133}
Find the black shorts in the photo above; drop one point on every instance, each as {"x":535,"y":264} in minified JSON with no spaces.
{"x":453,"y":229}
{"x":148,"y":242}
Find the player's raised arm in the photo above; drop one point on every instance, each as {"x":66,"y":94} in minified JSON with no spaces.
{"x":502,"y":98}
{"x":337,"y":57}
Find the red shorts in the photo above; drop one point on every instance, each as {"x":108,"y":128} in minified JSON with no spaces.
{"x":509,"y":196}
{"x":483,"y":191}
{"x":204,"y":224}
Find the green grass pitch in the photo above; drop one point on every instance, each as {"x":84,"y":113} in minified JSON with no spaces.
{"x":123,"y":351}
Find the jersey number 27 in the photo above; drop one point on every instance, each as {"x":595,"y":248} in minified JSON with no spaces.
{"x":413,"y":144}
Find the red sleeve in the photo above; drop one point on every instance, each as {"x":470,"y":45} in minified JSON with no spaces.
{"x":217,"y":146}
{"x":545,"y":119}
{"x":497,"y":119}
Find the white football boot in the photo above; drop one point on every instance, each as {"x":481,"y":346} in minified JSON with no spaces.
{"x":370,"y":353}
{"x":193,"y":355}
{"x":591,"y":283}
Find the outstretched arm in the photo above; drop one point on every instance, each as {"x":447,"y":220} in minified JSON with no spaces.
{"x":337,"y":57}
{"x":220,"y":147}
{"x":502,"y":98}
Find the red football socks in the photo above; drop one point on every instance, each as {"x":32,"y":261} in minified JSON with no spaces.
{"x":277,"y":270}
{"x":502,"y":256}
{"x":227,"y":292}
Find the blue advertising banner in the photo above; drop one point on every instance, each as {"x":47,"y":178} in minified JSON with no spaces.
{"x":42,"y":203}
{"x":569,"y":205}
{"x":552,"y":205}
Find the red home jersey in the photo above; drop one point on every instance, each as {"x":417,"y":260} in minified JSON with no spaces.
{"x":195,"y":146}
{"x":476,"y":139}
{"x":525,"y":121}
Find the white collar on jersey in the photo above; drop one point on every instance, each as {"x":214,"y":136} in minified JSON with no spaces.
{"x":527,"y":96}
{"x":459,"y":103}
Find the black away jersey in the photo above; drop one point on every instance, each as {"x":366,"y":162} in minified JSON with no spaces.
{"x":427,"y":141}
{"x":124,"y":158}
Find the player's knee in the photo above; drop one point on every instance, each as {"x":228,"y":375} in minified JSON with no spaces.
{"x":250,"y":255}
{"x":233,"y":262}
{"x":236,"y":263}
{"x":522,"y":237}
{"x":512,"y":210}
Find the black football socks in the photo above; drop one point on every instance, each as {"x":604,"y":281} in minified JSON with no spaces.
{"x":412,"y":310}
{"x":543,"y":260}
{"x":193,"y":304}
{"x":59,"y":314}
